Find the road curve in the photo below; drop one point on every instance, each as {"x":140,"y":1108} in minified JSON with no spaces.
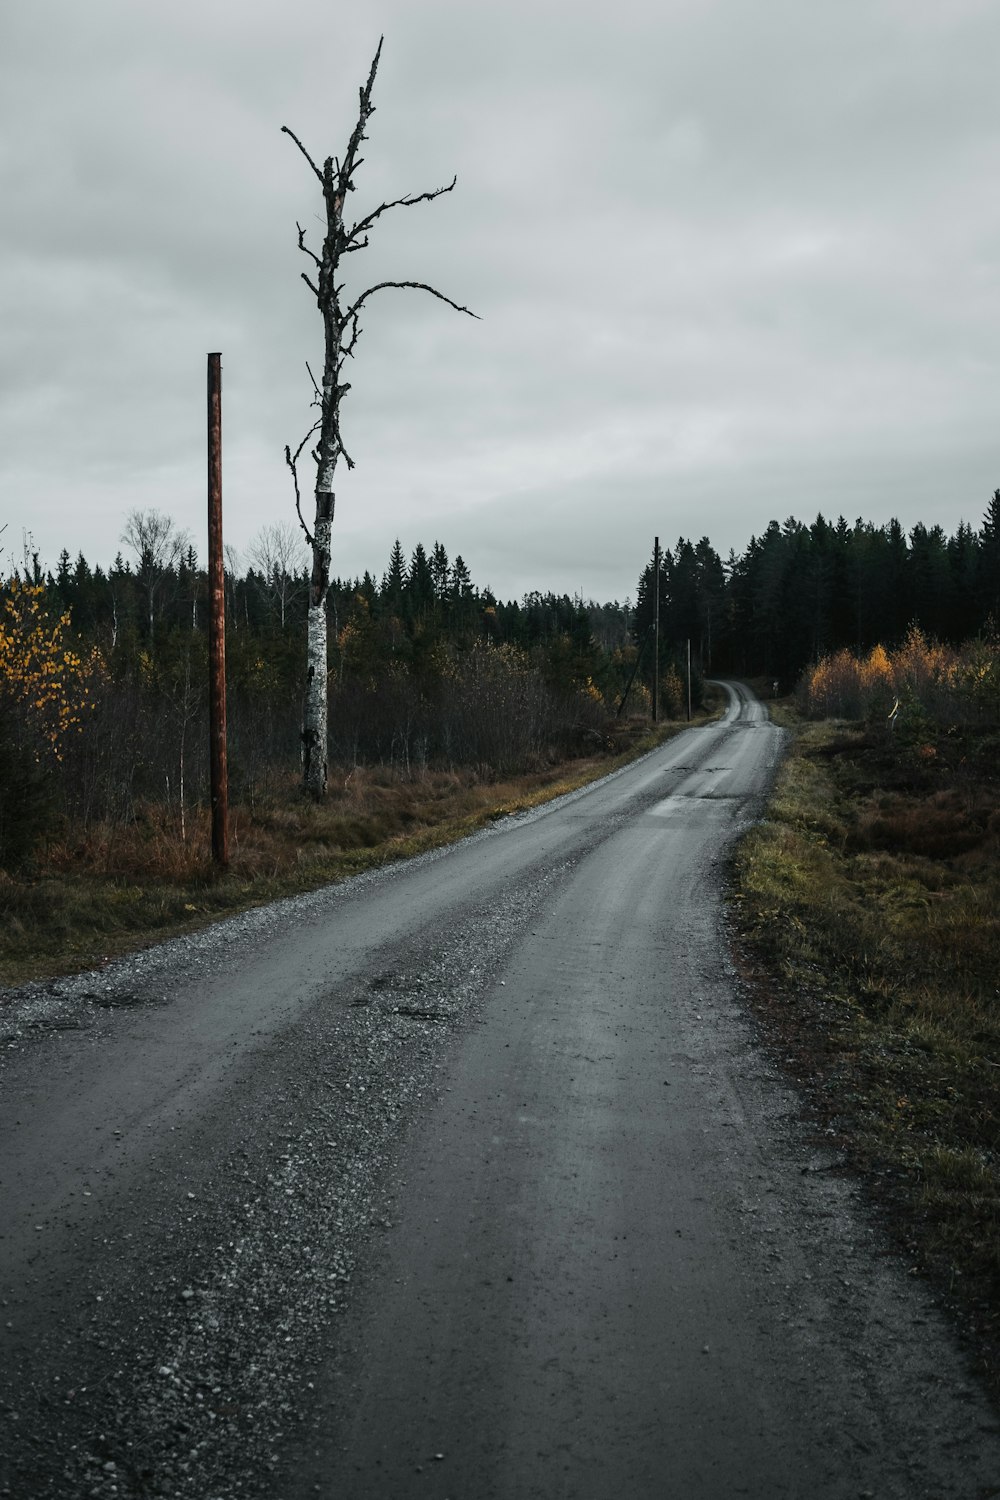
{"x":468,"y":1180}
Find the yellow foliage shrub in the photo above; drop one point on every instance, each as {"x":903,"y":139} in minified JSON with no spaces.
{"x":926,"y":678}
{"x":877,"y":681}
{"x":42,"y":673}
{"x":672,"y":694}
{"x":833,"y":687}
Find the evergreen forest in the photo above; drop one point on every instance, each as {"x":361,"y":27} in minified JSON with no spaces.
{"x":103,"y":669}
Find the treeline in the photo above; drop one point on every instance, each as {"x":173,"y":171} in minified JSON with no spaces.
{"x":800,"y":592}
{"x":421,"y":610}
{"x":103,"y":669}
{"x":103,"y":676}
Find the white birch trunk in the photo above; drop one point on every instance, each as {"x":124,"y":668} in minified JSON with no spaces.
{"x":314,"y":727}
{"x":314,"y":714}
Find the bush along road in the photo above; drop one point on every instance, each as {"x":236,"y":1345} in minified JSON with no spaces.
{"x":465,"y":1178}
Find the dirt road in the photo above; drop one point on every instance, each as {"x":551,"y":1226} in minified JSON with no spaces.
{"x":465,"y":1180}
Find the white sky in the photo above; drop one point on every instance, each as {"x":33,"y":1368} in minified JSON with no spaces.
{"x":735,"y":260}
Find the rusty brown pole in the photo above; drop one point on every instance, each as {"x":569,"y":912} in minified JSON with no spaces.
{"x":219,"y":772}
{"x":656,"y":629}
{"x":689,"y":679}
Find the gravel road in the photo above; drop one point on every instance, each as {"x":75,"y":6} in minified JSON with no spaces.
{"x":465,"y":1179}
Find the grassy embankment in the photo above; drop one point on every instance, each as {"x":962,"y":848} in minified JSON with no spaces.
{"x":870,"y":904}
{"x":92,"y":894}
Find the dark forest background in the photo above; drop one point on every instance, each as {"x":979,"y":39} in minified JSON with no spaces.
{"x":427,"y":667}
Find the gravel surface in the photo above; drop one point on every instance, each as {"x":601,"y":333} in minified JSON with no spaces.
{"x":179,"y":1322}
{"x":224,"y":1158}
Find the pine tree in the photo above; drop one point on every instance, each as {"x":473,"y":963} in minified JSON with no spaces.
{"x":929,"y":578}
{"x":461,"y":580}
{"x":419,"y":583}
{"x":711,"y":601}
{"x":645,"y":597}
{"x":963,"y":567}
{"x":439,"y":572}
{"x":989,"y":561}
{"x":394,"y":580}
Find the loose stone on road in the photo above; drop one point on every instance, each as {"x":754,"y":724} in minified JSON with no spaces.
{"x":466,"y":1179}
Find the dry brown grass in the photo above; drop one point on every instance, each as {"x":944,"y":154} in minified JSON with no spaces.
{"x":869,"y":903}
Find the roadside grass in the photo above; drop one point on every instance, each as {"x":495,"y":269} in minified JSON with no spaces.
{"x":94,"y":893}
{"x":868,"y":902}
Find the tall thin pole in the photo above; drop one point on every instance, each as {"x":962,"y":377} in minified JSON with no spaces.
{"x":656,"y":628}
{"x":689,"y":679}
{"x":219,"y":772}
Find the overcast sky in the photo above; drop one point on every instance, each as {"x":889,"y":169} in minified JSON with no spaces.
{"x":734,"y":260}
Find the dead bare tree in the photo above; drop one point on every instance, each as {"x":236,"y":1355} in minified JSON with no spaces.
{"x":278,"y":554}
{"x":159,"y":546}
{"x":342,"y":329}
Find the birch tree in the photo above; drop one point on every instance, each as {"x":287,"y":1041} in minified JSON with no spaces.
{"x":279,"y":557}
{"x":159,"y":546}
{"x":341,"y":328}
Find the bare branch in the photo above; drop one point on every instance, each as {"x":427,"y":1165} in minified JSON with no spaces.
{"x":312,"y":377}
{"x":314,"y":428}
{"x":305,"y":248}
{"x":292,"y":460}
{"x":420,"y":286}
{"x":365,"y":109}
{"x":285,"y":131}
{"x":405,"y":202}
{"x":313,"y":288}
{"x":348,"y":460}
{"x":347,"y":350}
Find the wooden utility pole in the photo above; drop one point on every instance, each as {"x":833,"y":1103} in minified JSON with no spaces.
{"x":219,"y":772}
{"x":656,"y":629}
{"x":689,"y":679}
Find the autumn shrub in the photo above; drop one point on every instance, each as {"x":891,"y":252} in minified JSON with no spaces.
{"x":877,"y":683}
{"x":47,"y":686}
{"x":672,"y":693}
{"x":921,"y":685}
{"x":924,"y":670}
{"x":832,"y":688}
{"x":976,"y":680}
{"x":47,"y":679}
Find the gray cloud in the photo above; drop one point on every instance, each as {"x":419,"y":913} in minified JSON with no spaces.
{"x":732,"y":262}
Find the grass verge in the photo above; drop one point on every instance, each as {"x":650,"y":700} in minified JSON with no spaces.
{"x":868,"y":903}
{"x":98,"y":892}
